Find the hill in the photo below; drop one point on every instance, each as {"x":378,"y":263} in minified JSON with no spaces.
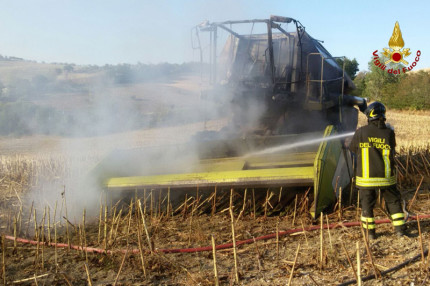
{"x":71,"y":100}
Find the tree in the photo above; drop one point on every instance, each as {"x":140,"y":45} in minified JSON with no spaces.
{"x":410,"y":92}
{"x":378,"y":80}
{"x":360,"y":84}
{"x":68,"y":68}
{"x":351,"y":66}
{"x":122,"y":74}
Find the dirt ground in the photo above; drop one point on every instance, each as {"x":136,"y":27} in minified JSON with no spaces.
{"x":298,"y":257}
{"x":121,"y":234}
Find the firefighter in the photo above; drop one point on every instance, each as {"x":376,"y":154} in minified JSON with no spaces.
{"x":374,"y":146}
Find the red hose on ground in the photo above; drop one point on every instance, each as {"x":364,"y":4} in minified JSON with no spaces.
{"x":206,"y":248}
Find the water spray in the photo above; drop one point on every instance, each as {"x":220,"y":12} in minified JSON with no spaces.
{"x":298,"y":144}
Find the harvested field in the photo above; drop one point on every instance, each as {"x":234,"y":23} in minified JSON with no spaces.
{"x":134,"y":236}
{"x":412,"y":128}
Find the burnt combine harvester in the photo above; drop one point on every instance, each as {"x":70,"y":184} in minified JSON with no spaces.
{"x":284,"y":93}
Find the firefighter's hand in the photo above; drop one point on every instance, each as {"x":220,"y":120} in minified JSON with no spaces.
{"x":347,"y":142}
{"x":390,"y":126}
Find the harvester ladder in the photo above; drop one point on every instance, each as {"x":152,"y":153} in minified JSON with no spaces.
{"x":322,"y":81}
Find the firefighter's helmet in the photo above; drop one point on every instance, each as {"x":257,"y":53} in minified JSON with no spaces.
{"x":375,"y":111}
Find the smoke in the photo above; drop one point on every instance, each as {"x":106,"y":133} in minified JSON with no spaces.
{"x":113,"y":112}
{"x":140,"y":128}
{"x":130,"y":100}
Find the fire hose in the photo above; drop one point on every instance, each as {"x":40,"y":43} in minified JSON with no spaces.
{"x":230,"y":245}
{"x":205,"y":248}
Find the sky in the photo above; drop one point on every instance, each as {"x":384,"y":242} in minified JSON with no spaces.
{"x":99,"y":32}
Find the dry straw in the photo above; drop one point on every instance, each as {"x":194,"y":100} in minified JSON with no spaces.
{"x":3,"y":245}
{"x":358,"y":264}
{"x":294,"y":265}
{"x":233,"y":235}
{"x":90,"y":283}
{"x":214,"y":260}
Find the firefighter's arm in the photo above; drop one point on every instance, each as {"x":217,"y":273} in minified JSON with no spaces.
{"x":393,"y":142}
{"x":353,"y":144}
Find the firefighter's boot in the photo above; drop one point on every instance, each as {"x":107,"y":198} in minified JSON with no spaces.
{"x":401,"y":231}
{"x":372,"y":234}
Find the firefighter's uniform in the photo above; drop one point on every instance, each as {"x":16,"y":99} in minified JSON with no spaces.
{"x":374,"y":146}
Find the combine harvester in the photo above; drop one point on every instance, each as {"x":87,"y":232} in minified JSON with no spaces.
{"x":285,"y":93}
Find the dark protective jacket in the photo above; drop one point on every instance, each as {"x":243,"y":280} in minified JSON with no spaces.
{"x":374,"y":147}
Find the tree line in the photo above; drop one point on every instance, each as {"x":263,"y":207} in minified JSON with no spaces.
{"x":410,"y":90}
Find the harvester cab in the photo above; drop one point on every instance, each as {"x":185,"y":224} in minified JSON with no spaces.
{"x":297,"y":85}
{"x":289,"y":111}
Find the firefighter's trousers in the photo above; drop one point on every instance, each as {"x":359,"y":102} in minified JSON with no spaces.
{"x":392,"y":199}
